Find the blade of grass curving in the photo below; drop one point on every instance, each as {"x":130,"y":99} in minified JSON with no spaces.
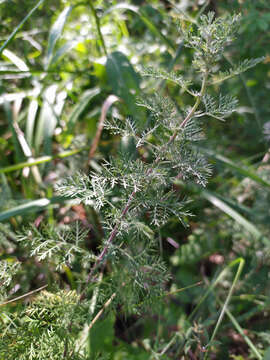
{"x":241,"y":170}
{"x":27,"y":153}
{"x":69,"y":45}
{"x":215,"y":282}
{"x":30,"y":122}
{"x":41,"y":160}
{"x":80,"y":107}
{"x":248,"y":226}
{"x":144,"y":17}
{"x":15,"y":31}
{"x":245,"y":337}
{"x":31,"y":206}
{"x":241,"y":262}
{"x":19,"y":63}
{"x":7,"y":98}
{"x":47,"y":119}
{"x":55,"y":34}
{"x":53,"y":103}
{"x":16,"y":144}
{"x":235,"y":205}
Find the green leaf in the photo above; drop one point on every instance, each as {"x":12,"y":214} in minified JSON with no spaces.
{"x":30,"y":122}
{"x":81,"y":106}
{"x":144,"y":17}
{"x":47,"y":120}
{"x":69,"y":45}
{"x":56,"y":32}
{"x":123,"y":79}
{"x":21,"y":65}
{"x":31,"y":206}
{"x":16,"y":144}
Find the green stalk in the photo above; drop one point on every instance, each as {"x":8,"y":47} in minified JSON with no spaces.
{"x":241,"y":262}
{"x":98,"y":27}
{"x":245,"y":337}
{"x":214,"y":284}
{"x":40,"y":160}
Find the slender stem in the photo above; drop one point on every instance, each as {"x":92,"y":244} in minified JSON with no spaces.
{"x":107,"y":303}
{"x":110,"y":240}
{"x":190,"y":114}
{"x":245,"y":337}
{"x":24,"y":296}
{"x":235,"y":280}
{"x":105,"y":107}
{"x":15,"y":31}
{"x":98,"y":27}
{"x":198,"y":100}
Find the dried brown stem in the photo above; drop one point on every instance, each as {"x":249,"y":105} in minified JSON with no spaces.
{"x":23,"y":296}
{"x":105,"y":107}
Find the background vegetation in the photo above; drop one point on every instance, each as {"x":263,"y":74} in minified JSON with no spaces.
{"x":65,"y":66}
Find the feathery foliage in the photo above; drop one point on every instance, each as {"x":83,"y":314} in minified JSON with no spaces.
{"x":133,"y":194}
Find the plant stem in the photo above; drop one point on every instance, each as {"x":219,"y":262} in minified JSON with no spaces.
{"x":105,"y":107}
{"x":15,"y":31}
{"x":24,"y":296}
{"x":125,"y":210}
{"x":245,"y":337}
{"x":235,"y":280}
{"x":110,"y":240}
{"x":107,"y":303}
{"x":98,"y":27}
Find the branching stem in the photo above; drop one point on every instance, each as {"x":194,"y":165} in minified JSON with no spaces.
{"x":129,"y":202}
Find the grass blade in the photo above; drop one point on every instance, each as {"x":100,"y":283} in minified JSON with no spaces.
{"x":241,"y":332}
{"x":241,"y":263}
{"x":30,"y":122}
{"x":215,"y":282}
{"x":16,"y":144}
{"x":40,"y":160}
{"x":241,"y":170}
{"x":144,"y":17}
{"x":80,"y":107}
{"x":251,"y":228}
{"x":31,"y":206}
{"x":21,"y":65}
{"x":69,"y":45}
{"x":15,"y":31}
{"x":56,"y":32}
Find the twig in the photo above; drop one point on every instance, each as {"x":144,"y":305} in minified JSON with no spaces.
{"x":105,"y":107}
{"x":107,"y":303}
{"x":23,"y":296}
